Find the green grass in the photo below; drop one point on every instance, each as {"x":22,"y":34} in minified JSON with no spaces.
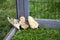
{"x":7,"y":8}
{"x":45,"y":9}
{"x":37,"y":34}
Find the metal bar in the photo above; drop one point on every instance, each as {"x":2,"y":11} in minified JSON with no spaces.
{"x":26,"y":9}
{"x":10,"y":34}
{"x":50,"y":23}
{"x":21,"y":10}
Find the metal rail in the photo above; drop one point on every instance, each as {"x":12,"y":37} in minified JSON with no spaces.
{"x":10,"y":34}
{"x":50,"y":23}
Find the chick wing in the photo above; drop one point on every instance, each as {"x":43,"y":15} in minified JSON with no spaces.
{"x":33,"y":24}
{"x":14,"y":22}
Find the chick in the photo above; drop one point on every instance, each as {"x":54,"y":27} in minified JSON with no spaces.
{"x":14,"y":22}
{"x":33,"y":24}
{"x":23,"y":23}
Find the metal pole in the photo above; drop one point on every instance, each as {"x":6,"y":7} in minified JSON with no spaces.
{"x":21,"y":10}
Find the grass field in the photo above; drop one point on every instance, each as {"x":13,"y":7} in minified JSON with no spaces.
{"x":37,"y":34}
{"x":7,"y":8}
{"x":47,"y":9}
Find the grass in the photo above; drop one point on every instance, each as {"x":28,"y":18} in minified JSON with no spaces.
{"x":7,"y":8}
{"x":37,"y":34}
{"x":47,"y":9}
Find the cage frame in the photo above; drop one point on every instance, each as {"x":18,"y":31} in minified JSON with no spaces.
{"x":22,"y":9}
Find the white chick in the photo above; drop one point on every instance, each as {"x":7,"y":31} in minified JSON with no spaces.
{"x":33,"y":24}
{"x":23,"y":23}
{"x":14,"y":22}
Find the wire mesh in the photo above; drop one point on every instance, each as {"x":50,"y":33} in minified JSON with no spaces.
{"x":47,"y":9}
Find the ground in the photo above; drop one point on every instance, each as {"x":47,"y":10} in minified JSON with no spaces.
{"x":7,"y":8}
{"x":37,"y":34}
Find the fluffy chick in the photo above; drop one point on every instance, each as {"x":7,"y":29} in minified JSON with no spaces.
{"x":33,"y":24}
{"x":14,"y":22}
{"x":23,"y":23}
